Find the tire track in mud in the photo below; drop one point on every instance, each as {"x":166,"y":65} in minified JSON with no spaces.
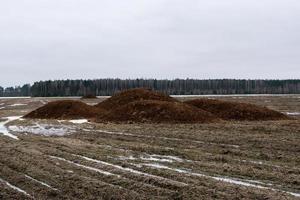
{"x":54,"y":148}
{"x":237,"y":163}
{"x":128,"y":175}
{"x":241,"y":182}
{"x":162,"y":138}
{"x":14,"y":187}
{"x":134,"y":184}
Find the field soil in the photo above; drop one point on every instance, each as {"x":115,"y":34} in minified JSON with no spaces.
{"x":76,"y":159}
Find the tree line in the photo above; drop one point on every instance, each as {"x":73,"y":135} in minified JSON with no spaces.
{"x":107,"y":87}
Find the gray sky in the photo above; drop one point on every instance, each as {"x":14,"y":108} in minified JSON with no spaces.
{"x":57,"y":39}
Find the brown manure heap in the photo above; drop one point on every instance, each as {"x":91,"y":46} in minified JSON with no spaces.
{"x":147,"y":106}
{"x":236,"y":111}
{"x":154,"y":111}
{"x":64,"y":109}
{"x":132,"y":95}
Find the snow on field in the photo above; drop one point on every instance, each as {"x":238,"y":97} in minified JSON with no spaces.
{"x":110,"y":132}
{"x":128,"y":169}
{"x":293,"y":113}
{"x":43,"y":129}
{"x":153,"y":157}
{"x":235,"y":95}
{"x":15,"y":97}
{"x":84,"y":166}
{"x":246,"y":183}
{"x":92,"y":104}
{"x":14,"y":187}
{"x":4,"y":130}
{"x":17,"y":104}
{"x":43,"y":102}
{"x":259,"y":163}
{"x":40,"y":182}
{"x":2,"y":108}
{"x":78,"y":121}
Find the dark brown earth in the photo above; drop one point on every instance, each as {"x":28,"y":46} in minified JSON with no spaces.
{"x":157,"y":112}
{"x":264,"y":154}
{"x":132,"y":95}
{"x":147,"y":106}
{"x":236,"y":111}
{"x":64,"y":109}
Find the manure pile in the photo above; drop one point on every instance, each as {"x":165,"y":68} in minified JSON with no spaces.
{"x":64,"y":109}
{"x":236,"y":111}
{"x":157,"y":111}
{"x":145,"y":105}
{"x":128,"y":96}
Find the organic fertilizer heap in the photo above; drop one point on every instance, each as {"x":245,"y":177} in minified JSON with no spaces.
{"x":236,"y":111}
{"x":148,"y":106}
{"x":64,"y":109}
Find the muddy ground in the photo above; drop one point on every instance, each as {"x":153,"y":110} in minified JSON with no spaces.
{"x":53,"y":159}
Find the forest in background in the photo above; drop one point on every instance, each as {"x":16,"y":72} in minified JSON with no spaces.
{"x":107,"y":87}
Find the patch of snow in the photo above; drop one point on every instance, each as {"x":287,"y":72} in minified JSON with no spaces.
{"x":43,"y":102}
{"x":293,"y":113}
{"x":43,"y":129}
{"x":127,"y":158}
{"x":114,"y":133}
{"x":78,"y":121}
{"x":92,"y":104}
{"x":129,"y":169}
{"x":12,"y":118}
{"x":247,"y":183}
{"x":14,"y":187}
{"x":15,"y":97}
{"x":173,"y":158}
{"x":153,"y":157}
{"x":3,"y":128}
{"x":259,"y":163}
{"x":84,"y":166}
{"x":234,"y":95}
{"x":40,"y":182}
{"x":156,"y":159}
{"x":17,"y":104}
{"x":2,"y":108}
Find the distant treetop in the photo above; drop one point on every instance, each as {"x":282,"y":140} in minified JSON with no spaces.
{"x":108,"y":87}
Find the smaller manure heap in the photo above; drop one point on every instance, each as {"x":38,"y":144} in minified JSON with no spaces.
{"x":147,"y":106}
{"x":236,"y":111}
{"x":64,"y":109}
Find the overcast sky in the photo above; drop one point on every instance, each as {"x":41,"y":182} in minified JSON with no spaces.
{"x":58,"y":39}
